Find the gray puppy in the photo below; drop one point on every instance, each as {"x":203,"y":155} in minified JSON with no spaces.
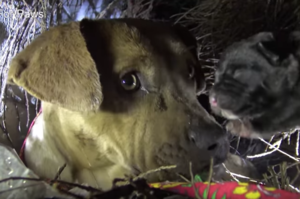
{"x":257,"y":85}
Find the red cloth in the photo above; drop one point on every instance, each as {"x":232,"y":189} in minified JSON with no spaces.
{"x":21,"y":154}
{"x":226,"y":190}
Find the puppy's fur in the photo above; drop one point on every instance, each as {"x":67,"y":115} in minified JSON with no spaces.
{"x":100,"y":126}
{"x":257,"y":84}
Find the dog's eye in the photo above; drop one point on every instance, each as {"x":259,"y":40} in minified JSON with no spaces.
{"x":130,"y":81}
{"x":191,"y":71}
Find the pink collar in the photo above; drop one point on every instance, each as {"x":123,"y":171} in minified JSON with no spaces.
{"x":21,"y":154}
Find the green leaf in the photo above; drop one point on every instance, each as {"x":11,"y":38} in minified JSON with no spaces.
{"x":214,"y":195}
{"x":224,"y":196}
{"x":205,"y":193}
{"x":198,"y":178}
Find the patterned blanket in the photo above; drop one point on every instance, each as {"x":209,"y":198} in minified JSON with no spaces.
{"x":233,"y":190}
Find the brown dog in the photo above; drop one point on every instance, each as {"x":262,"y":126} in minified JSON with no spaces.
{"x":118,"y":97}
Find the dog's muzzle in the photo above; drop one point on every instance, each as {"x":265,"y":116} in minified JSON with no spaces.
{"x":202,"y":143}
{"x":211,"y":140}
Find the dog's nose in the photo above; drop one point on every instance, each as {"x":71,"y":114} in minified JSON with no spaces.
{"x":205,"y":138}
{"x":211,"y":139}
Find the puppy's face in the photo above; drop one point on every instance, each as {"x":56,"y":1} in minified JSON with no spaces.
{"x":254,"y":75}
{"x":129,"y":89}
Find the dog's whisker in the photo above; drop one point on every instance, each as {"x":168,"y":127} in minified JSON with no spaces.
{"x":144,"y":89}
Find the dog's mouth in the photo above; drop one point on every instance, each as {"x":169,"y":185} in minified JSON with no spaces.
{"x":217,"y":109}
{"x":223,"y":112}
{"x":234,"y":109}
{"x":228,"y":114}
{"x":241,"y":111}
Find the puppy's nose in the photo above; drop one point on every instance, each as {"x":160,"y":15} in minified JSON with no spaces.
{"x":211,"y":139}
{"x":213,"y":99}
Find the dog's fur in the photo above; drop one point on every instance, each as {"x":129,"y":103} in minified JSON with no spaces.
{"x":257,"y":85}
{"x":101,"y":130}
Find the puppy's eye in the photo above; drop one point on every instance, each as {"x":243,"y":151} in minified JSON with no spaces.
{"x":191,"y":71}
{"x":130,"y":81}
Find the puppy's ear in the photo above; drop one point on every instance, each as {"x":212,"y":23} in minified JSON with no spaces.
{"x":190,"y":41}
{"x":281,"y":53}
{"x":57,"y":68}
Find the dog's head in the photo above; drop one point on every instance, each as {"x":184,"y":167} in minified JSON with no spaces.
{"x":128,"y":88}
{"x":254,"y":75}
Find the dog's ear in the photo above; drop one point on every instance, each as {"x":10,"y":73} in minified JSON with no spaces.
{"x":57,"y":68}
{"x":190,"y":41}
